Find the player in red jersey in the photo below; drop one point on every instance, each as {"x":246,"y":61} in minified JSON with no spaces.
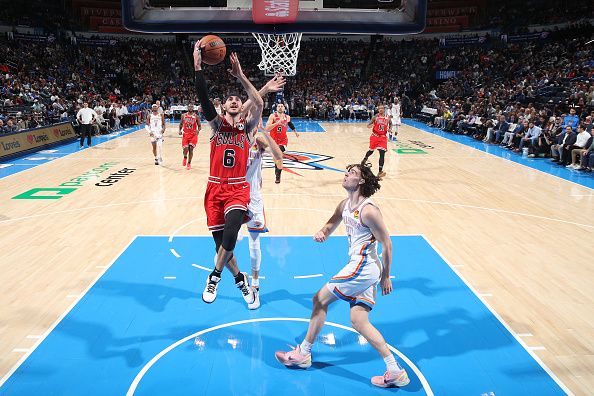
{"x":378,"y":139}
{"x":189,"y":125}
{"x":227,"y":193}
{"x":277,"y":124}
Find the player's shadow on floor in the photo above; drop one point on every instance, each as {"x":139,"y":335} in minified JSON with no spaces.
{"x":152,"y":296}
{"x":278,"y":295}
{"x":450,"y":333}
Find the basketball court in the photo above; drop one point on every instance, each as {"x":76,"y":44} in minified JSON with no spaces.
{"x":102,"y":281}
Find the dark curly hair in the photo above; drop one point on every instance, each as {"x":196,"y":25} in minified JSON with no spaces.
{"x":370,"y":181}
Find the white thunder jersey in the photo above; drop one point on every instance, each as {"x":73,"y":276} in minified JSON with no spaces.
{"x":254,"y":172}
{"x":156,"y":124}
{"x":361,"y":239}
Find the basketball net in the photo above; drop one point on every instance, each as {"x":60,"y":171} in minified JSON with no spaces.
{"x":279,"y":53}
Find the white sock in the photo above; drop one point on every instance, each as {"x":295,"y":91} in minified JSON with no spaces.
{"x":256,"y":282}
{"x":305,"y":348}
{"x":391,"y":364}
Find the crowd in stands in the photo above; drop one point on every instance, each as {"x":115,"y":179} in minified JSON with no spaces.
{"x":538,"y":80}
{"x":535,"y":98}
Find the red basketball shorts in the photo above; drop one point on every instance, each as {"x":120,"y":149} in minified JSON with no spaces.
{"x":379,"y":142}
{"x":189,"y":140}
{"x":221,"y":198}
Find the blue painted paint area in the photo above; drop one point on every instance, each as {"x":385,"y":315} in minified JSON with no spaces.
{"x":16,"y":165}
{"x":132,"y":314}
{"x":541,"y":164}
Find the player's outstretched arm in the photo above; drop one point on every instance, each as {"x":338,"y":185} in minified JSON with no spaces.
{"x":253,"y":95}
{"x":331,"y":224}
{"x":292,"y":126}
{"x":208,"y":108}
{"x":372,"y":218}
{"x":275,"y":84}
{"x":275,"y":150}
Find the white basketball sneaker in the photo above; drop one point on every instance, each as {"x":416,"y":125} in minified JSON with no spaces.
{"x":256,"y":303}
{"x":210,"y":291}
{"x":244,"y":286}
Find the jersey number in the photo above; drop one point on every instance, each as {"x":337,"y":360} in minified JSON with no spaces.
{"x":229,"y":158}
{"x":381,"y":128}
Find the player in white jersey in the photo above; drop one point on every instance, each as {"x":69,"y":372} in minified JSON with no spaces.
{"x":257,"y":222}
{"x":356,"y":283}
{"x":155,"y":125}
{"x":396,"y":121}
{"x":257,"y":219}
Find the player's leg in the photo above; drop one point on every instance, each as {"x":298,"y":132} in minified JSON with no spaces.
{"x":277,"y":171}
{"x":256,"y":260}
{"x":190,"y":154}
{"x":154,"y":144}
{"x":228,"y":239}
{"x":185,"y":150}
{"x":369,"y":152}
{"x":301,"y":356}
{"x":160,"y":149}
{"x":382,"y":155}
{"x":395,"y":375}
{"x":255,"y":257}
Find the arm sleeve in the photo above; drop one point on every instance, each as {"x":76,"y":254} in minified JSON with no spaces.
{"x":291,"y":125}
{"x":208,"y":108}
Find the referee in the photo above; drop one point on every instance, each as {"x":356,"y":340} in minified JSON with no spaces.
{"x":86,"y":117}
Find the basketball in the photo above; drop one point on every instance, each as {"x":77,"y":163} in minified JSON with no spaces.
{"x":214,"y":49}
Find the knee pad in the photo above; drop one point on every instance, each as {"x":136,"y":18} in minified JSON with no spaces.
{"x":233,"y":222}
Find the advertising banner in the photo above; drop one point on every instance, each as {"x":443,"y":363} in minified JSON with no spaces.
{"x":14,"y":143}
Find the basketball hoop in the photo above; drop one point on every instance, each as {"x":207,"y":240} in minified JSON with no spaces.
{"x":279,"y":53}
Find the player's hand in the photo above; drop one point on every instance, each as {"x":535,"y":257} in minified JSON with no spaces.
{"x":235,"y":66}
{"x":180,"y":132}
{"x":296,"y":134}
{"x":386,"y":285}
{"x":276,"y":83}
{"x":198,"y":56}
{"x":319,"y":236}
{"x":151,"y":134}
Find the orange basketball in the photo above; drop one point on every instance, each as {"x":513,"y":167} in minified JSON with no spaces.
{"x":214,"y":49}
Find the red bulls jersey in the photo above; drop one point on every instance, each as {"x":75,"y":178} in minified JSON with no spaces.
{"x":381,"y":125}
{"x":190,"y":123}
{"x":229,"y":153}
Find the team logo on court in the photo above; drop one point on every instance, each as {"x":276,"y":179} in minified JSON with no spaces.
{"x":299,"y":160}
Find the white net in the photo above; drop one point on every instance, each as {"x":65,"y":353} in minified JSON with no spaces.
{"x":279,"y":53}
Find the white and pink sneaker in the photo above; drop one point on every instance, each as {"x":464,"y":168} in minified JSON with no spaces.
{"x":391,"y":379}
{"x":294,"y":358}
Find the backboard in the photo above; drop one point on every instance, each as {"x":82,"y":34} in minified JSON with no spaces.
{"x":388,"y":17}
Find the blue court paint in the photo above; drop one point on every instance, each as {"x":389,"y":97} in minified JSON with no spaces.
{"x":132,"y":314}
{"x":541,"y":164}
{"x":18,"y":164}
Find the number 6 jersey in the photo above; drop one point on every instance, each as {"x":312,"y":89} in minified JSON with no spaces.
{"x":229,"y":152}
